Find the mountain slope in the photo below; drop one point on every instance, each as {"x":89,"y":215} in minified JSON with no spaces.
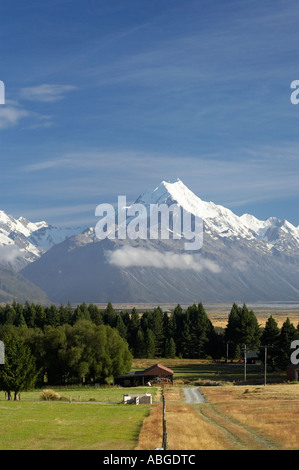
{"x":242,"y":259}
{"x":15,"y":286}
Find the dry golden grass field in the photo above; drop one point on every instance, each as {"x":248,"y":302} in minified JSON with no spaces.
{"x":232,"y":418}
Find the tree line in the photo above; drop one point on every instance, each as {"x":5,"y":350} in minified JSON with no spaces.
{"x":50,"y":332}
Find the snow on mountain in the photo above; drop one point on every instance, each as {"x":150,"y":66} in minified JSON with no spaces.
{"x":217,"y":218}
{"x":22,"y":241}
{"x":242,"y":258}
{"x":222,"y":222}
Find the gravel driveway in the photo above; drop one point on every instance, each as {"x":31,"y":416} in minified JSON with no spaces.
{"x":193,"y":396}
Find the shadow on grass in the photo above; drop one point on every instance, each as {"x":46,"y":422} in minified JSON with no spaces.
{"x":231,"y":372}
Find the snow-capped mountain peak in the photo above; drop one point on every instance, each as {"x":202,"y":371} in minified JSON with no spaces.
{"x":220,"y":221}
{"x":217,"y":219}
{"x":22,"y":241}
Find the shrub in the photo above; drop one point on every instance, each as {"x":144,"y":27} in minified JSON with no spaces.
{"x":49,"y":395}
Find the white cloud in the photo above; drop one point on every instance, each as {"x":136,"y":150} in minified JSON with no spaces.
{"x":128,"y":256}
{"x":46,"y":92}
{"x":9,"y":253}
{"x":11,"y":115}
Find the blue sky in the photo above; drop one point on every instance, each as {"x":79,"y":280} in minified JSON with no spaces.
{"x":108,"y":98}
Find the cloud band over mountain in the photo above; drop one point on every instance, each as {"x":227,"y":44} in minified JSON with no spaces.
{"x":128,"y":256}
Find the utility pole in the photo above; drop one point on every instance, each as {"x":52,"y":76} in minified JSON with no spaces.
{"x":164,"y":443}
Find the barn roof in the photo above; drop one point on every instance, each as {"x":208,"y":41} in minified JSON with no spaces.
{"x":157,"y":368}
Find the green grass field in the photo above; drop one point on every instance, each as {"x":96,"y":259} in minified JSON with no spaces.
{"x":63,"y":426}
{"x":98,"y":424}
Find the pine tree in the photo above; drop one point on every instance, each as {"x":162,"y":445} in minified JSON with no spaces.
{"x":133,"y":327}
{"x":150,"y":344}
{"x":40,"y":316}
{"x":140,"y":346}
{"x":287,"y":335}
{"x":230,"y":334}
{"x":109,"y":316}
{"x":121,"y":327}
{"x":157,"y":328}
{"x":170,"y":348}
{"x":176,"y":321}
{"x":95,"y":314}
{"x":271,"y":332}
{"x":242,"y":328}
{"x":270,"y":339}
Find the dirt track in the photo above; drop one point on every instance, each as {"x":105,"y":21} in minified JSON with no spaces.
{"x":193,"y":396}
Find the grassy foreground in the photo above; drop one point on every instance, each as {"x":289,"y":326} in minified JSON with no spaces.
{"x":96,"y":422}
{"x":235,"y":416}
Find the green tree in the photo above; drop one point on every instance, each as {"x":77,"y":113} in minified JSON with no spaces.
{"x":150,"y":343}
{"x":29,"y":314}
{"x":140,"y":347}
{"x":81,"y":313}
{"x":271,"y":332}
{"x":170,"y":348}
{"x":177,"y":321}
{"x":270,"y":339}
{"x":132,"y":329}
{"x":19,"y":371}
{"x":65,"y":314}
{"x":40,"y":317}
{"x":95,"y":314}
{"x":121,"y":327}
{"x":109,"y":316}
{"x":242,"y":328}
{"x":52,"y":314}
{"x":287,"y":335}
{"x":157,"y":328}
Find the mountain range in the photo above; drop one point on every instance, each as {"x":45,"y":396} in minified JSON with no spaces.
{"x":242,"y":258}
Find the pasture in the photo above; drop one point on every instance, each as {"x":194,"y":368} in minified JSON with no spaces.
{"x":94,"y":419}
{"x":235,"y":415}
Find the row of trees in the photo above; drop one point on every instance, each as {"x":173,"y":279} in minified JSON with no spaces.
{"x":243,"y":329}
{"x":82,"y":353}
{"x":182,"y":333}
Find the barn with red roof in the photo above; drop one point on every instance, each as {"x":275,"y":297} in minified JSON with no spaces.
{"x":155,"y":375}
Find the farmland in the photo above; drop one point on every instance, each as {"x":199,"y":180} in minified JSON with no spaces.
{"x":235,"y":415}
{"x":233,"y":418}
{"x":85,"y":419}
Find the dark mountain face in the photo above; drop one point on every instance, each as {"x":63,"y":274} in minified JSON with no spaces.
{"x":14,"y":286}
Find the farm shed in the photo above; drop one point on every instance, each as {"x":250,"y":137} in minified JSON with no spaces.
{"x":156,"y":374}
{"x":293,"y":372}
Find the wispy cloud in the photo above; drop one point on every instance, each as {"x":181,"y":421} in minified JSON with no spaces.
{"x":46,"y":92}
{"x":261,"y":175}
{"x":11,"y":115}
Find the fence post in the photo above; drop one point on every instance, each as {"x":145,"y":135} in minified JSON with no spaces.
{"x":164,"y":443}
